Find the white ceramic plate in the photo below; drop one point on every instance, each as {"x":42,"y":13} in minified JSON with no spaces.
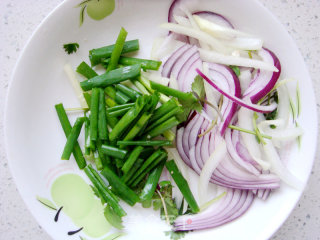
{"x":34,"y":139}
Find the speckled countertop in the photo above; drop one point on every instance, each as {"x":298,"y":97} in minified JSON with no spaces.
{"x":19,"y":18}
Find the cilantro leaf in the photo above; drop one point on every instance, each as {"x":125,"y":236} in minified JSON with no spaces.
{"x":175,"y":235}
{"x":198,"y":87}
{"x":70,"y":47}
{"x":112,"y":217}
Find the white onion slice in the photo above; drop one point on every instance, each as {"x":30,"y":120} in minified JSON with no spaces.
{"x":211,"y":56}
{"x":76,"y":85}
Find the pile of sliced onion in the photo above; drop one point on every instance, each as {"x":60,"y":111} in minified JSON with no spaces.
{"x":207,"y":44}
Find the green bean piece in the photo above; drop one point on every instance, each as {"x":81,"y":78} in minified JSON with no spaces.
{"x":112,"y":77}
{"x":164,"y":109}
{"x":127,"y":119}
{"x":150,"y":159}
{"x":138,"y":127}
{"x":72,"y":139}
{"x":152,"y":182}
{"x":87,"y":97}
{"x":119,"y":107}
{"x":117,"y":50}
{"x":173,"y":92}
{"x":105,"y":193}
{"x":121,"y":98}
{"x":94,"y":108}
{"x":131,"y":93}
{"x":170,"y":123}
{"x":133,"y":157}
{"x":66,"y":126}
{"x":182,"y":185}
{"x":173,"y":112}
{"x":118,"y":113}
{"x":120,"y":188}
{"x":98,"y":54}
{"x":146,"y":64}
{"x":113,"y":151}
{"x":145,"y":143}
{"x":87,"y":136}
{"x":85,"y":70}
{"x":161,"y":158}
{"x":127,"y":176}
{"x":102,"y":117}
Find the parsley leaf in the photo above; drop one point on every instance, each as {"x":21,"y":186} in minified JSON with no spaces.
{"x":70,"y":47}
{"x":112,"y":217}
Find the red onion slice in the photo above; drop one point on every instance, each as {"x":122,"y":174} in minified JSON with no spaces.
{"x":253,"y":107}
{"x":264,"y":81}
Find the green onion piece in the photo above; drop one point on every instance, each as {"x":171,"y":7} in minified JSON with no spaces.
{"x":145,"y":143}
{"x":170,"y":123}
{"x":111,"y":92}
{"x":120,"y":188}
{"x":152,"y":182}
{"x":94,"y":108}
{"x":97,"y":160}
{"x":121,"y":98}
{"x":113,"y":151}
{"x":66,"y":126}
{"x":128,"y":175}
{"x":164,"y":109}
{"x":127,"y":119}
{"x":117,"y":50}
{"x":104,"y":192}
{"x":87,"y":136}
{"x":72,"y":138}
{"x":102,"y":117}
{"x":161,"y":158}
{"x":87,"y":97}
{"x":118,"y":113}
{"x":85,"y":70}
{"x":147,"y":84}
{"x":138,"y":127}
{"x":182,"y":185}
{"x":98,"y":54}
{"x":112,"y":77}
{"x":131,"y":93}
{"x":119,"y":107}
{"x":133,"y":157}
{"x":146,"y":64}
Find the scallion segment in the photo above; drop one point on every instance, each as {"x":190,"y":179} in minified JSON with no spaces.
{"x":146,"y":64}
{"x":182,"y":185}
{"x":85,"y":70}
{"x":113,"y":151}
{"x":94,"y":108}
{"x":145,"y":143}
{"x":66,"y":126}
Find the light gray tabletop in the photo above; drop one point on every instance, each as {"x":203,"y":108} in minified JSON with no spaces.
{"x":19,"y":18}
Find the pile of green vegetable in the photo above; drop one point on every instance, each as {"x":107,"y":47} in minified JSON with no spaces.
{"x":125,"y":130}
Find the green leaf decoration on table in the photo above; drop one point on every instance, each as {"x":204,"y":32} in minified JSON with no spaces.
{"x":46,"y":202}
{"x":96,"y":9}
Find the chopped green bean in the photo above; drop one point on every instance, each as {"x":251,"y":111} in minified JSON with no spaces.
{"x":66,"y":126}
